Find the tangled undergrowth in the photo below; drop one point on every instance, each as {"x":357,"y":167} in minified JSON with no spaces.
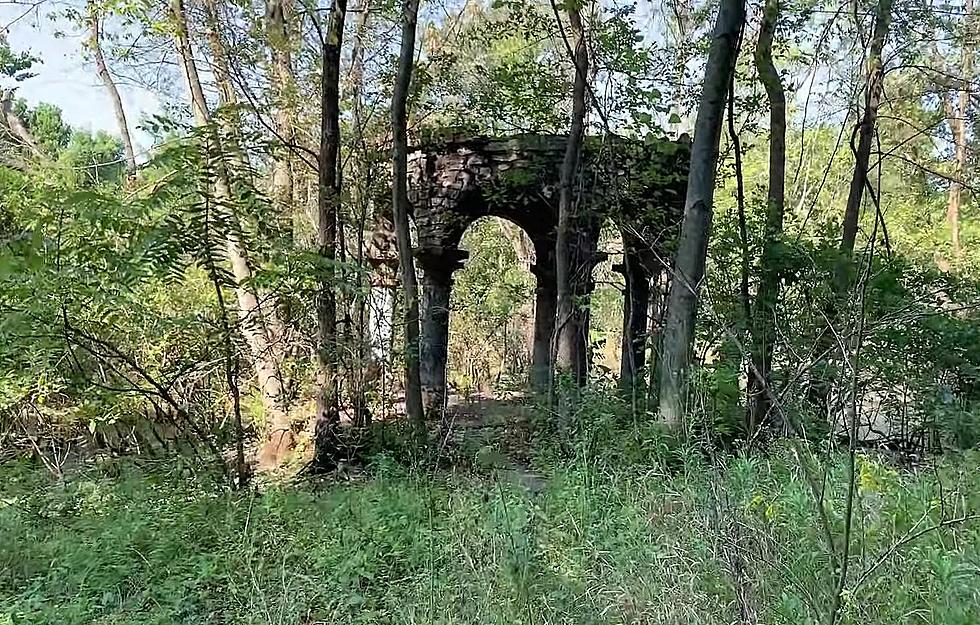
{"x":692,"y":540}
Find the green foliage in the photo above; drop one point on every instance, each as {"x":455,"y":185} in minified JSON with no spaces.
{"x":16,"y":65}
{"x":919,"y":369}
{"x":96,"y":157}
{"x":600,"y":543}
{"x":87,"y":281}
{"x":491,"y":312}
{"x":46,"y":125}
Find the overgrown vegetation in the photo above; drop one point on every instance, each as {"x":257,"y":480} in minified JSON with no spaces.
{"x":676,"y":539}
{"x":436,"y":312}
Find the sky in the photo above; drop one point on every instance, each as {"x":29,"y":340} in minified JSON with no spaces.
{"x":66,"y":79}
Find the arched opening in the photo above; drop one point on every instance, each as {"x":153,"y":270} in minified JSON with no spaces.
{"x":492,"y":320}
{"x":456,"y":184}
{"x":606,"y":307}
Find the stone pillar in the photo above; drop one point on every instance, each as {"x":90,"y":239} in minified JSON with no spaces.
{"x":437,"y":266}
{"x":545,"y":308}
{"x":636,"y":302}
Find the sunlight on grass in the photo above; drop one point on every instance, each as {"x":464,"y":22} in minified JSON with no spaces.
{"x":596,"y":546}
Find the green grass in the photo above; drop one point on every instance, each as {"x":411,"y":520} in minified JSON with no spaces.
{"x":638,"y":544}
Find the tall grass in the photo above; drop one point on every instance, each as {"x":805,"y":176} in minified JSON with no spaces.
{"x":702,"y":541}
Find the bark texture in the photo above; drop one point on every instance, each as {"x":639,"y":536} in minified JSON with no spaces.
{"x":570,"y":358}
{"x":957,"y":112}
{"x":401,"y":208}
{"x":279,"y":14}
{"x":327,"y":213}
{"x":692,"y":246}
{"x":767,"y":295}
{"x":95,"y":44}
{"x":256,"y":319}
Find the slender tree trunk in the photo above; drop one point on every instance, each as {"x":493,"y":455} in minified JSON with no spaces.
{"x":566,"y":248}
{"x":864,"y":132}
{"x":221,"y":69}
{"x":231,"y":375}
{"x":767,"y":296}
{"x":401,"y":208}
{"x":233,"y":145}
{"x":16,"y":125}
{"x":957,"y":116}
{"x":327,"y":205}
{"x":279,"y":14}
{"x":95,"y":43}
{"x":361,"y":170}
{"x":255,"y":320}
{"x":692,"y":246}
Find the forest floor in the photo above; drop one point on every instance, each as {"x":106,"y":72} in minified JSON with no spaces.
{"x":623,"y":529}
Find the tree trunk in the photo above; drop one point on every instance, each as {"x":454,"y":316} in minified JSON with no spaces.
{"x":327,"y":205}
{"x":278,"y":16}
{"x":16,"y":126}
{"x":221,"y":69}
{"x":957,"y":116}
{"x":361,"y":168}
{"x":234,"y":146}
{"x":692,"y":246}
{"x":255,"y":320}
{"x":401,"y":208}
{"x":767,"y":295}
{"x":843,"y":268}
{"x":95,"y":44}
{"x":568,"y":359}
{"x":865,"y":131}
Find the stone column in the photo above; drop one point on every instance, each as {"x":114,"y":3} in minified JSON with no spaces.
{"x":636,"y":303}
{"x":437,"y":266}
{"x":545,"y":308}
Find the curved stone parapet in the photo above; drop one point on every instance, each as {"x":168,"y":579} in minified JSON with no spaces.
{"x":457,"y":181}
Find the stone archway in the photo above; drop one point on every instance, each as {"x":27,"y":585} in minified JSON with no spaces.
{"x":453,"y":182}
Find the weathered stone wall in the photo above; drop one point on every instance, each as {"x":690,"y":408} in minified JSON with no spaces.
{"x":455,"y":181}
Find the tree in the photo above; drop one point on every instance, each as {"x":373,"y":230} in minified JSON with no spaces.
{"x":570,"y":358}
{"x":957,"y":113}
{"x":692,"y":246}
{"x":258,"y":317}
{"x":327,"y":214}
{"x":864,"y":132}
{"x":17,"y":67}
{"x":401,"y":208}
{"x":102,"y":69}
{"x":767,"y":295}
{"x":279,"y":15}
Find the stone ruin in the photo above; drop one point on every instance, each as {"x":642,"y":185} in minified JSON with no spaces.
{"x":636,"y":185}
